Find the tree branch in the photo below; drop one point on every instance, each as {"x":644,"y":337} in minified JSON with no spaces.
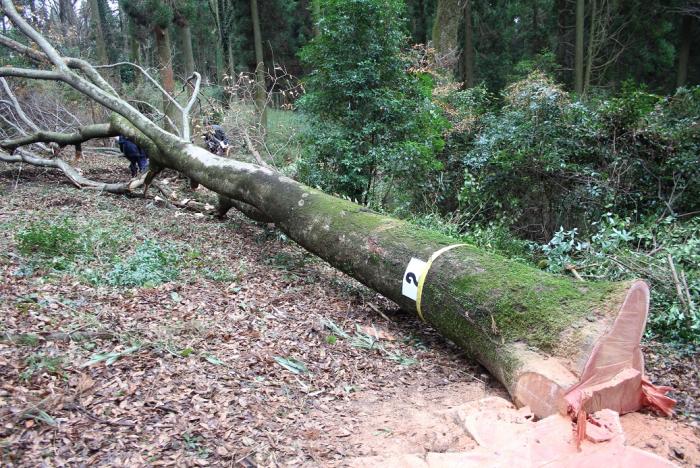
{"x":253,"y":151}
{"x":41,"y":57}
{"x":73,"y":175}
{"x":62,"y":139}
{"x":82,"y":85}
{"x":31,"y":73}
{"x":153,"y":81}
{"x":23,"y":49}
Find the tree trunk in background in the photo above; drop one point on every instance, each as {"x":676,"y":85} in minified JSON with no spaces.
{"x":592,"y":33}
{"x":218,"y":49}
{"x":260,"y":86}
{"x":446,"y":30}
{"x":468,"y":46}
{"x":68,"y":19}
{"x":421,"y":30}
{"x":167,"y":78}
{"x":134,"y":53}
{"x":578,"y":65}
{"x":124,"y":21}
{"x":182,"y":26}
{"x":563,"y":38}
{"x":185,"y":36}
{"x":99,"y":33}
{"x":231,"y":62}
{"x":228,"y":23}
{"x":66,"y":13}
{"x":316,"y":14}
{"x":684,"y":51}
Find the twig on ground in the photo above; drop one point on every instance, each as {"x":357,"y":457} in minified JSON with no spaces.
{"x":573,"y":271}
{"x":676,"y":281}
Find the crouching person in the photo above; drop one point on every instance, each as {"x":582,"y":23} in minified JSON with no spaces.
{"x":216,"y":140}
{"x":138,"y":158}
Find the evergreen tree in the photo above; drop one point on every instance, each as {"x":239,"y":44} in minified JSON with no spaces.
{"x":369,"y":118}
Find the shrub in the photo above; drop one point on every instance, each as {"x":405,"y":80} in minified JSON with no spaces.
{"x":621,"y":250}
{"x":542,"y":160}
{"x":369,"y":119}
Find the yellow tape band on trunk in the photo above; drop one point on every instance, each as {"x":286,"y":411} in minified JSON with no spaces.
{"x":421,"y":281}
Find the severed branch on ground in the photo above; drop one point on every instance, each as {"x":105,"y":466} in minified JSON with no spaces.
{"x":53,"y":336}
{"x":169,"y":197}
{"x":253,"y":151}
{"x":77,"y":179}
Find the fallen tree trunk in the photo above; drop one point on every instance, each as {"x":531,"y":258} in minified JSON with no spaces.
{"x":556,"y":344}
{"x":541,"y":335}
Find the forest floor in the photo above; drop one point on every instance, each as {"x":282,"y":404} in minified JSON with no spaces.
{"x":256,"y":353}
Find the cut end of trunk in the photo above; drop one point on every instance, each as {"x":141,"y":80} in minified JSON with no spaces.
{"x":612,"y":377}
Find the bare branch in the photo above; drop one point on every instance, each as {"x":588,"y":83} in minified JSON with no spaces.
{"x":31,"y":73}
{"x":62,"y":139}
{"x":41,"y":57}
{"x":16,"y":106}
{"x":153,"y":81}
{"x":186,"y":110}
{"x":157,"y":111}
{"x":73,"y":175}
{"x":253,"y":151}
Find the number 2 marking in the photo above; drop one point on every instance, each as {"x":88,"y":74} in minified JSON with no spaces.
{"x":411,"y":278}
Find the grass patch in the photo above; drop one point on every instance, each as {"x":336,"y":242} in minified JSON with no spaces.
{"x":30,"y":340}
{"x":65,"y":244}
{"x":282,"y":141}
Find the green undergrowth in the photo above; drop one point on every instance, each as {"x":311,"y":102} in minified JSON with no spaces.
{"x":40,"y":362}
{"x":151,"y":264}
{"x":97,"y":253}
{"x":115,"y":253}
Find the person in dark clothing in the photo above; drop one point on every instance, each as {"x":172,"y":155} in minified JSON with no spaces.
{"x":216,"y":140}
{"x":138,"y":158}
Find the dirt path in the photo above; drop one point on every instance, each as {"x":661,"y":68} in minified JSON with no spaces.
{"x":256,"y":354}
